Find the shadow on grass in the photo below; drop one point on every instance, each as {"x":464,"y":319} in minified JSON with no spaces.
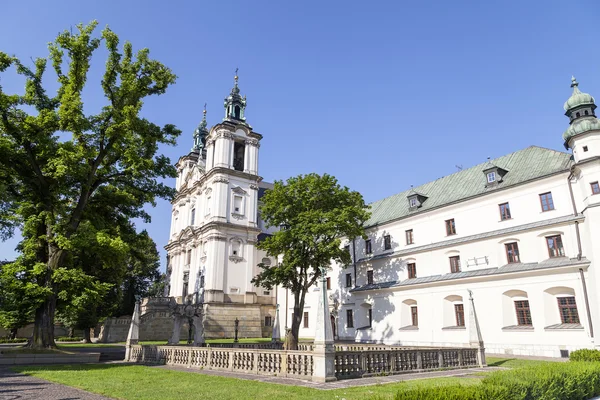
{"x":498,"y":363}
{"x":69,"y":367}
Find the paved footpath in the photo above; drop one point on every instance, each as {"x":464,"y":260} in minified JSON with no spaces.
{"x":14,"y":386}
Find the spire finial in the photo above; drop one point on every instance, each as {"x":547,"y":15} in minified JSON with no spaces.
{"x":574,"y":82}
{"x":204,"y":111}
{"x":236,"y":75}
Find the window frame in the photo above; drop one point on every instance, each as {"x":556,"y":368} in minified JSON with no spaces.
{"x":572,"y":306}
{"x":370,"y":316}
{"x":387,"y":242}
{"x":370,"y":278}
{"x":412,"y":270}
{"x":504,"y":209}
{"x":305,"y":320}
{"x":328,"y":283}
{"x":561,"y":247}
{"x":549,"y":205}
{"x":192,"y":216}
{"x":455,"y":266}
{"x":523,"y":312}
{"x":413,"y":202}
{"x":414,"y":315}
{"x":459,"y":314}
{"x":595,"y":188}
{"x":514,"y":260}
{"x":410,"y":239}
{"x":348,"y":280}
{"x":450,"y":227}
{"x":349,"y":318}
{"x":269,"y":319}
{"x":368,"y":246}
{"x":493,"y":175}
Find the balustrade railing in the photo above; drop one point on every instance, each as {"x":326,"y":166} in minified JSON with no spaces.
{"x":358,"y":362}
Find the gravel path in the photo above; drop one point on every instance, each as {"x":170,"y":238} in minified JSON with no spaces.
{"x":14,"y":386}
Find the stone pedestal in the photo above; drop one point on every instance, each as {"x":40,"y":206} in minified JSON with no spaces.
{"x":324,"y":349}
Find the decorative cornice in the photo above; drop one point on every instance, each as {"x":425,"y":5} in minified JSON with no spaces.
{"x":237,"y":216}
{"x":253,"y":186}
{"x":221,"y":179}
{"x":236,"y":259}
{"x":238,"y":190}
{"x":252,"y":142}
{"x":216,"y":237}
{"x":223,"y":134}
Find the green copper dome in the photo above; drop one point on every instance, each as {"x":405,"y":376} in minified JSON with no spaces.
{"x":581,"y":126}
{"x":577,"y":98}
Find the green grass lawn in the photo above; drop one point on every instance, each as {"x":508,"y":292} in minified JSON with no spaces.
{"x":513,"y":362}
{"x":133,"y":382}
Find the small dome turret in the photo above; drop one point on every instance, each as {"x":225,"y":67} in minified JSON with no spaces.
{"x":578,"y":98}
{"x":200,"y":135}
{"x":580,"y":108}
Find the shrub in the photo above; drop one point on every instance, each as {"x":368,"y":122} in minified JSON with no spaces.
{"x":68,"y":339}
{"x":585,"y":355}
{"x":17,"y":340}
{"x":552,"y":381}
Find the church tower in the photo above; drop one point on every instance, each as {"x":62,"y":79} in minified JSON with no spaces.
{"x":215,"y":225}
{"x":583,"y":138}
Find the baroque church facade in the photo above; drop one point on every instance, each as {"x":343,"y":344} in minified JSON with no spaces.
{"x":215,"y":226}
{"x":521,"y":233}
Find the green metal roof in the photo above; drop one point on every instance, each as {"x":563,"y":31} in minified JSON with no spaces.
{"x":524,"y":165}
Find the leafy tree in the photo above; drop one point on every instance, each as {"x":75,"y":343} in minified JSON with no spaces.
{"x":17,"y":301}
{"x":56,"y":159}
{"x":315,"y":212}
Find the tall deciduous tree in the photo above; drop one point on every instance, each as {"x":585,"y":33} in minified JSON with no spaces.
{"x":315,"y":213}
{"x":56,"y":157}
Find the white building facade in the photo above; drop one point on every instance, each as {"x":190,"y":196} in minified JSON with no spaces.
{"x":215,"y":226}
{"x":522,"y":232}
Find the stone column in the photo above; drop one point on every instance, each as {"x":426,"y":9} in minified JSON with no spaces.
{"x":475,"y":338}
{"x":324,"y":349}
{"x":134,"y":330}
{"x":276,"y":336}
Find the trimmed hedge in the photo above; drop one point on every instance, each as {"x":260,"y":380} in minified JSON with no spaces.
{"x":69,"y":339}
{"x":553,"y":381}
{"x":585,"y":355}
{"x":17,"y":340}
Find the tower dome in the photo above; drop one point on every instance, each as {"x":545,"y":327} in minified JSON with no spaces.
{"x":200,"y":134}
{"x":578,"y":98}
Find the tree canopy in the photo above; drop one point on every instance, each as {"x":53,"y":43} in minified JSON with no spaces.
{"x":60,"y":163}
{"x":314,"y":213}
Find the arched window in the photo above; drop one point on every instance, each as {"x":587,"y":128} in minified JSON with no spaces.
{"x":516,"y":311}
{"x":238,"y":156}
{"x":586,"y":112}
{"x":560,"y":308}
{"x":236,"y":112}
{"x":453,"y":312}
{"x":577,"y":115}
{"x":409,"y":314}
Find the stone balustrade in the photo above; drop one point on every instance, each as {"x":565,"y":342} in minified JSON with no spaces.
{"x":349,"y":361}
{"x":297,"y":364}
{"x":362,"y":363}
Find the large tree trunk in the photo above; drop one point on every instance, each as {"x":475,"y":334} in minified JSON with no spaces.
{"x":43,"y":329}
{"x":297,"y":320}
{"x":13,"y":333}
{"x":86,"y":335}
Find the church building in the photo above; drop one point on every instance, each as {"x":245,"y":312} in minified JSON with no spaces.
{"x":519,"y":233}
{"x":215,"y":226}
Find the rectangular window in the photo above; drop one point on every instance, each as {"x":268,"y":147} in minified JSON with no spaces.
{"x":347,"y":248}
{"x":568,"y":310}
{"x":512,"y":252}
{"x":595,"y":188}
{"x":460,"y":314}
{"x":267,"y":320}
{"x":409,"y":237}
{"x":349,"y":319}
{"x":414,"y":316}
{"x":504,"y":211}
{"x":412,"y":202}
{"x":237,"y":204}
{"x":450,"y":227}
{"x":193,"y":216}
{"x":546,"y":201}
{"x":491,"y":177}
{"x":306,"y":319}
{"x":348,"y":280}
{"x":328,"y":283}
{"x":189,"y":257}
{"x":412,"y":270}
{"x":523,"y":312}
{"x":368,"y":246}
{"x":370,"y":277}
{"x":370,"y":317}
{"x":387,"y":242}
{"x":555,"y":246}
{"x":455,"y":264}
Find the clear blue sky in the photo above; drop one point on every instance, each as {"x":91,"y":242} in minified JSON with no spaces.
{"x":381,"y":94}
